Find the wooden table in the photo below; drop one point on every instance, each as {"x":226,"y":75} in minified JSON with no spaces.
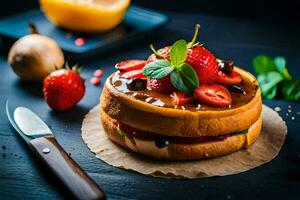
{"x":21,"y":176}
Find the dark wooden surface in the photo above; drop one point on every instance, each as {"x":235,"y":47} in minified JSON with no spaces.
{"x":21,"y":177}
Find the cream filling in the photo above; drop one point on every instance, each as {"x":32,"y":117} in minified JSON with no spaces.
{"x":148,"y":147}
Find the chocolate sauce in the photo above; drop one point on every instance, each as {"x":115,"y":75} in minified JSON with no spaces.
{"x":226,"y":66}
{"x":162,"y":142}
{"x":236,"y":89}
{"x":164,"y":100}
{"x":136,"y":84}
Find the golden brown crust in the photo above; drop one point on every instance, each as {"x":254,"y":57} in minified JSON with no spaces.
{"x":183,"y":151}
{"x":161,"y":120}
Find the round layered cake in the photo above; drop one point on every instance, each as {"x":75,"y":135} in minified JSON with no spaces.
{"x":147,"y":122}
{"x":219,"y":115}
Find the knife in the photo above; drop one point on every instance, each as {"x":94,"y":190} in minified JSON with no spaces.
{"x":43,"y":144}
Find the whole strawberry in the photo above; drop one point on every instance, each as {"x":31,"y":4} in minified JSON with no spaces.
{"x":202,"y":60}
{"x":204,"y":63}
{"x":63,"y":89}
{"x":163,"y":85}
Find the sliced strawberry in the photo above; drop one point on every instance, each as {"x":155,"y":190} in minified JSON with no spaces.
{"x":163,"y":85}
{"x":129,"y":65}
{"x":180,"y":98}
{"x":133,"y":74}
{"x":231,"y":79}
{"x":215,"y":95}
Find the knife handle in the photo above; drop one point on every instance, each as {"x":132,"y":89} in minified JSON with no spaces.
{"x":65,"y":168}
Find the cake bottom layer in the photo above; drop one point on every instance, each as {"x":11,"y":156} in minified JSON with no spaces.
{"x":166,"y":149}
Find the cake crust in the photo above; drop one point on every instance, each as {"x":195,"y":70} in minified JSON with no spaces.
{"x":183,"y":151}
{"x":175,"y":122}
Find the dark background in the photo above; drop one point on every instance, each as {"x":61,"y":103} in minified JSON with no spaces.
{"x":233,"y":29}
{"x":284,"y":10}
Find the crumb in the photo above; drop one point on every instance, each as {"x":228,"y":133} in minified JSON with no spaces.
{"x":289,"y":110}
{"x":289,"y":106}
{"x":277,"y":109}
{"x":182,"y":107}
{"x":293,"y":118}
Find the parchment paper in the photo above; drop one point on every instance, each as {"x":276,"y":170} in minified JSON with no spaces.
{"x":262,"y":151}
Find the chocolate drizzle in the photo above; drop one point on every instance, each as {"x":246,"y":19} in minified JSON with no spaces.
{"x":146,"y":95}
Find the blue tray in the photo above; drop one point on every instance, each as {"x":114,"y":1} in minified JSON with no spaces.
{"x":136,"y":23}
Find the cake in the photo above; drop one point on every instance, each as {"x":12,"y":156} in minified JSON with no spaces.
{"x":182,"y":103}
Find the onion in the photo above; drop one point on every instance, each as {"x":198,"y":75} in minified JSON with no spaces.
{"x":34,"y":56}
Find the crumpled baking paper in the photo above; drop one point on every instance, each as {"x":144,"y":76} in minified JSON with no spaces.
{"x":262,"y":151}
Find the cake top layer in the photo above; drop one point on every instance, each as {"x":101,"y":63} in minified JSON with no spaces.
{"x":241,"y":94}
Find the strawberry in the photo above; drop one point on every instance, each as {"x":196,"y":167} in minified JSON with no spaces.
{"x":204,"y":63}
{"x":228,"y":79}
{"x":214,"y":95}
{"x":163,"y":85}
{"x":180,"y":98}
{"x":63,"y":89}
{"x":133,"y":74}
{"x":164,"y":52}
{"x":130,"y":65}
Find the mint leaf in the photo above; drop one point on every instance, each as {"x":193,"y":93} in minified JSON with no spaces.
{"x":190,"y":76}
{"x":268,"y":82}
{"x":280,"y":64}
{"x":263,"y":64}
{"x":178,"y":53}
{"x":185,"y":79}
{"x":291,"y":90}
{"x":272,"y":93}
{"x":178,"y":83}
{"x":158,"y":69}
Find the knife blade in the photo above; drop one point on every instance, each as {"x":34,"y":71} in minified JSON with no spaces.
{"x":43,"y":144}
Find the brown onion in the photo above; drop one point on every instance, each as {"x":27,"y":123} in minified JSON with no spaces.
{"x":34,"y":56}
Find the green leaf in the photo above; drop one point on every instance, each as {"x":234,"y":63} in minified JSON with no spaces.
{"x":178,"y":83}
{"x":158,"y":69}
{"x":185,"y":79}
{"x":178,"y":53}
{"x":272,"y":93}
{"x":268,"y":82}
{"x":190,"y":76}
{"x":280,"y":64}
{"x":291,"y":90}
{"x":263,"y":64}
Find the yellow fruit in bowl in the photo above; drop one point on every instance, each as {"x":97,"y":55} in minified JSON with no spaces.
{"x":85,"y":15}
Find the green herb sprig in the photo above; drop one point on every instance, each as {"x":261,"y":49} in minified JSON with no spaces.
{"x":183,"y":77}
{"x":274,"y":76}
